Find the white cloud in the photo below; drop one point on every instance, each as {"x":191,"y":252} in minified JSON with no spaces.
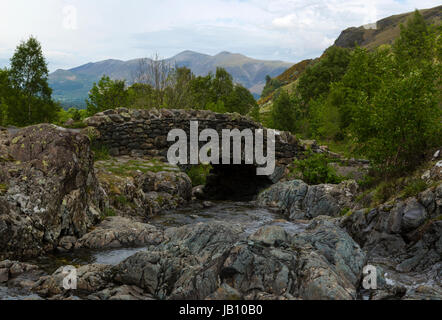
{"x":277,"y":29}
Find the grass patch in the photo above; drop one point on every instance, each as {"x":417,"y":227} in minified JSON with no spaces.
{"x":108,"y":212}
{"x":101,"y":153}
{"x":414,"y":188}
{"x":346,"y":212}
{"x":130,"y":167}
{"x":77,"y":125}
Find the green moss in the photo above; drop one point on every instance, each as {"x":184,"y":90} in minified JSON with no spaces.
{"x":128,"y":169}
{"x":3,"y":188}
{"x":346,"y":212}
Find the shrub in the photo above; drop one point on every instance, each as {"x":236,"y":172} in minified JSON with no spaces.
{"x":315,"y":169}
{"x":198,"y":174}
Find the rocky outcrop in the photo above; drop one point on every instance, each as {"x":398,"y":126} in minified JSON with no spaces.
{"x":404,"y":238}
{"x":211,"y":261}
{"x":215,"y":261}
{"x":139,"y":195}
{"x":298,"y":200}
{"x":48,"y":190}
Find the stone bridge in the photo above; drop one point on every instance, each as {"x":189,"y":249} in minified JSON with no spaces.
{"x":141,"y":133}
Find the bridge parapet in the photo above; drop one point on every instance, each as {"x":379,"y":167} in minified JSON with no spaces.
{"x":144,"y":132}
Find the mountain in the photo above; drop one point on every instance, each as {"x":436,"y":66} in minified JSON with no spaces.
{"x":385,"y":31}
{"x":72,"y":86}
{"x":371,"y":36}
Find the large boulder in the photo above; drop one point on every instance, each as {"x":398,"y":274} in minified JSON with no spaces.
{"x":48,"y":190}
{"x":119,"y":232}
{"x":300,"y":201}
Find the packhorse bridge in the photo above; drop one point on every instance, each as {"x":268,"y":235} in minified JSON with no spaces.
{"x":140,"y":133}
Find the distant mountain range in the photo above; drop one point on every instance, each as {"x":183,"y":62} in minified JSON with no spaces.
{"x":72,"y":86}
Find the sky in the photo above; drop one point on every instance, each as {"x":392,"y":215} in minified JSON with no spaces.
{"x":75,"y":32}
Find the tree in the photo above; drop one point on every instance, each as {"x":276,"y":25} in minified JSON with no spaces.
{"x":5,"y":91}
{"x":240,"y":100}
{"x":156,"y":73}
{"x":107,"y":94}
{"x":415,"y":42}
{"x":29,"y":75}
{"x":317,"y":79}
{"x":178,"y":94}
{"x":283,"y":112}
{"x":141,"y":96}
{"x":393,"y":97}
{"x":222,"y":85}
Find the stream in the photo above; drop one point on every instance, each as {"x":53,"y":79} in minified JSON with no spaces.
{"x":247,"y":215}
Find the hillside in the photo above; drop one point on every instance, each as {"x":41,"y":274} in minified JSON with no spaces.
{"x":387,"y":30}
{"x":72,"y":86}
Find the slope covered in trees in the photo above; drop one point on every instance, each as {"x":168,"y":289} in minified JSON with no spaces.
{"x":384,"y":103}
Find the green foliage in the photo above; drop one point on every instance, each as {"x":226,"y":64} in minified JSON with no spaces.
{"x":25,"y":96}
{"x":107,"y":94}
{"x":198,"y":174}
{"x":414,"y":187}
{"x":315,"y":169}
{"x":317,"y":79}
{"x":283,"y":115}
{"x":386,"y":102}
{"x":100,"y":153}
{"x":184,"y":91}
{"x":271,"y":86}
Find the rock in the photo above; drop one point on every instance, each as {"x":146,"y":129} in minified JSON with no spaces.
{"x":300,"y":201}
{"x":51,"y":192}
{"x":18,"y":275}
{"x":90,"y":279}
{"x":69,"y":123}
{"x":405,"y":237}
{"x":67,"y":243}
{"x":210,"y":261}
{"x":142,"y":195}
{"x":436,"y":171}
{"x":414,"y":215}
{"x":4,"y":275}
{"x":119,"y":232}
{"x":184,"y":267}
{"x":198,"y":192}
{"x":332,"y":270}
{"x":270,"y":235}
{"x":121,"y":293}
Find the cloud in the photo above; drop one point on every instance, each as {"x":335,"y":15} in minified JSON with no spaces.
{"x":73,"y":32}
